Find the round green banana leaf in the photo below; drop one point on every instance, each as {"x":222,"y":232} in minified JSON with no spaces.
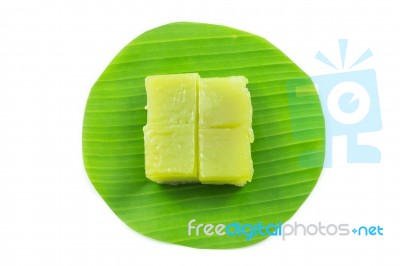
{"x":288,"y":123}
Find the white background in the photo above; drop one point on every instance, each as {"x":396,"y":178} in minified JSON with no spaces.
{"x":51,"y":53}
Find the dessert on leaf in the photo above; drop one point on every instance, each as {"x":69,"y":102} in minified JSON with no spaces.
{"x":198,"y":130}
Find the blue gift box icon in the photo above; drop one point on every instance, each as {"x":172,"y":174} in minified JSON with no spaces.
{"x":347,"y":113}
{"x":350,"y":103}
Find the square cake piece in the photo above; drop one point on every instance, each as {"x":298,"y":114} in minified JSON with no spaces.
{"x":225,"y":156}
{"x":224,"y":102}
{"x":171,"y":154}
{"x":172,"y":99}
